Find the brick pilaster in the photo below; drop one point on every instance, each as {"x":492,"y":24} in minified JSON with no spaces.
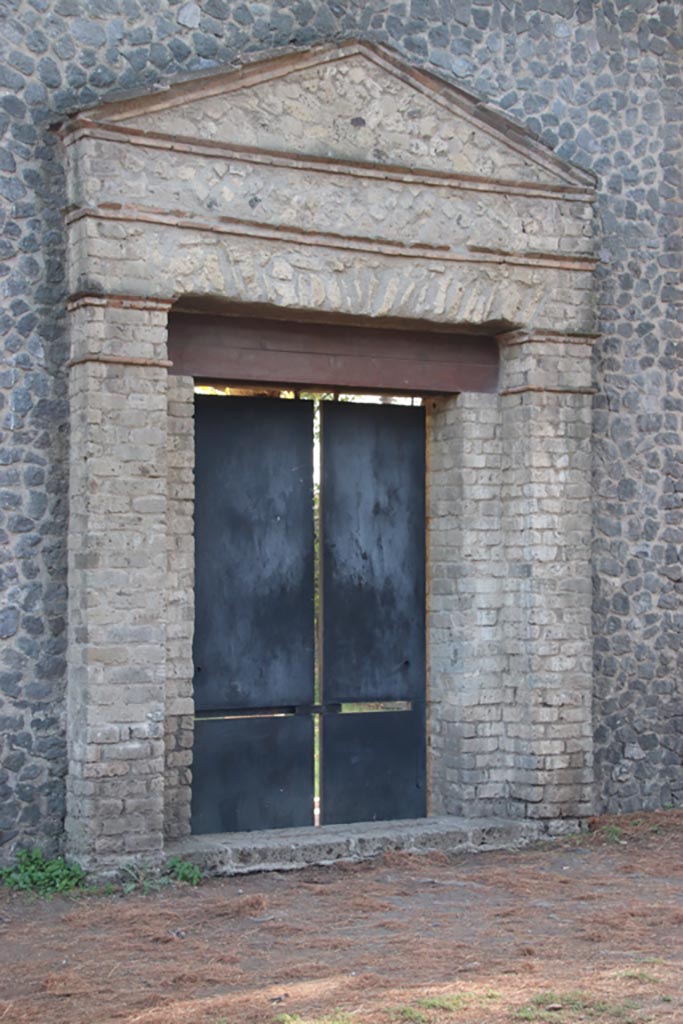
{"x":180,"y":607}
{"x":117,"y":582}
{"x":545,"y":403}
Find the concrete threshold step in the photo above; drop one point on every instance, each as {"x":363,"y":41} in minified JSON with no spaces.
{"x":234,"y":853}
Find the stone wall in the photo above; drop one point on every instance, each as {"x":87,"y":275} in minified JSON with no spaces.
{"x":601,"y":83}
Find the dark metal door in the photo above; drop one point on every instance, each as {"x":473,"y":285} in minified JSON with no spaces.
{"x":373,"y":601}
{"x":254,"y":624}
{"x":254,"y":648}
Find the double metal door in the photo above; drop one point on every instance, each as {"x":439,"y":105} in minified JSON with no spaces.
{"x":310,"y":629}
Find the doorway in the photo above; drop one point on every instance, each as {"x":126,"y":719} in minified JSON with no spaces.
{"x":309,"y":650}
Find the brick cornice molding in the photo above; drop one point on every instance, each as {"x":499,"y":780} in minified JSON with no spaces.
{"x":545,"y":337}
{"x":80,"y":300}
{"x":120,"y":361}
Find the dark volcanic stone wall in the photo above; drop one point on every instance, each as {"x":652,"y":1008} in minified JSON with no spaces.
{"x":601,"y":82}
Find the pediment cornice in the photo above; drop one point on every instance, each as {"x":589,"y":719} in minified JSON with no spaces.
{"x":354,"y":104}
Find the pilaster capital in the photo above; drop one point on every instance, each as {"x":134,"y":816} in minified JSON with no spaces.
{"x":541,"y":361}
{"x":127,"y":330}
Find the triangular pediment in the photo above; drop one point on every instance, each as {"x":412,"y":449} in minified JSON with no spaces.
{"x":352,"y":103}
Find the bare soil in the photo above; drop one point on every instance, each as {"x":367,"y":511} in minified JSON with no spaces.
{"x":585,"y":929}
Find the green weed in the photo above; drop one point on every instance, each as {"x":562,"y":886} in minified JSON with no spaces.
{"x":139,"y":880}
{"x":33,"y":872}
{"x":183,"y":871}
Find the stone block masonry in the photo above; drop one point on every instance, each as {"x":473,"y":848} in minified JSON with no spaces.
{"x":509,"y":613}
{"x":179,"y":710}
{"x":116,"y":692}
{"x":546,"y":430}
{"x":467,"y":564}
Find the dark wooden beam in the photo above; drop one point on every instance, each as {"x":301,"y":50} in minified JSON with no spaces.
{"x":244,"y":350}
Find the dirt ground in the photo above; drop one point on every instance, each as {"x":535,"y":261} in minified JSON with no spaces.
{"x":585,"y":929}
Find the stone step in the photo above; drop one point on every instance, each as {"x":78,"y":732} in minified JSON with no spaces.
{"x":234,"y":853}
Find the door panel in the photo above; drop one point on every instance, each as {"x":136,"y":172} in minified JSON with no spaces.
{"x":254,"y":633}
{"x":373,"y":509}
{"x":252,"y":773}
{"x":373,"y":600}
{"x":374,"y":766}
{"x":254,"y":626}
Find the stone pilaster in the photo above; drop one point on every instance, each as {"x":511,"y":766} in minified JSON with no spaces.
{"x":468,"y":758}
{"x":509,"y":598}
{"x":117,"y":582}
{"x":180,"y":607}
{"x":545,"y":403}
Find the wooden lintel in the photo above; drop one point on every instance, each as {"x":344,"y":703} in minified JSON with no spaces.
{"x":330,"y":356}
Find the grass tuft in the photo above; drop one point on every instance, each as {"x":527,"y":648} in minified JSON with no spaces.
{"x":337,"y":1017}
{"x":450,"y":1004}
{"x":409,"y":1013}
{"x":643,"y":976}
{"x":565,"y":1006}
